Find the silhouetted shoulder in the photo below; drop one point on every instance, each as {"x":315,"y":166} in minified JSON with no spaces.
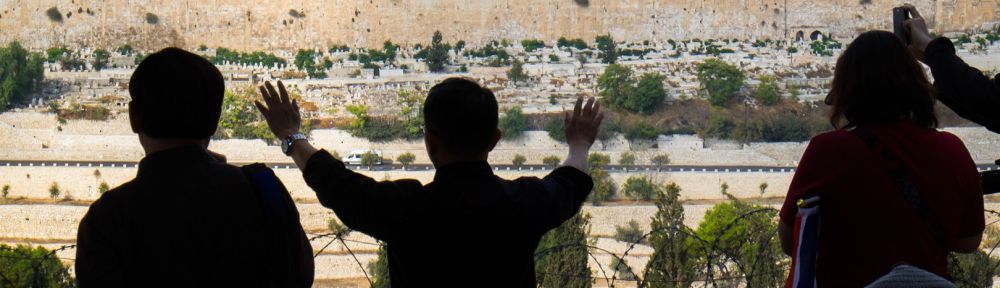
{"x":114,"y":197}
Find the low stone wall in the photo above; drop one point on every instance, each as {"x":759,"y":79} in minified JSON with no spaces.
{"x":81,"y":183}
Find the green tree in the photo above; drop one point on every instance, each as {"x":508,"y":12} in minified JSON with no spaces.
{"x":767,"y":92}
{"x":101,"y":58}
{"x":379,"y":268}
{"x":516,"y":73}
{"x":746,"y":234}
{"x":553,"y":58}
{"x":722,"y":80}
{"x":519,"y":160}
{"x":604,"y":186}
{"x":437,"y":56}
{"x":5,"y":191}
{"x":20,"y":74}
{"x":661,"y":160}
{"x":627,"y":158}
{"x":54,"y":190}
{"x":513,"y":123}
{"x":649,"y":94}
{"x":551,"y":161}
{"x":556,"y":127}
{"x":673,"y":261}
{"x":24,"y":266}
{"x":973,"y":270}
{"x":240,"y":119}
{"x":640,"y":131}
{"x":103,"y":187}
{"x":55,"y":53}
{"x":152,"y":19}
{"x":370,"y":160}
{"x":763,"y":188}
{"x":561,"y":257}
{"x":615,"y":85}
{"x":337,"y":228}
{"x":630,"y":233}
{"x":640,"y":188}
{"x":406,"y":159}
{"x":530,"y":45}
{"x":127,"y":50}
{"x":54,"y":15}
{"x":608,"y":49}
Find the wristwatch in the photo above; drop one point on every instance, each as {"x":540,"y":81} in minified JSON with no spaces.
{"x":286,"y":144}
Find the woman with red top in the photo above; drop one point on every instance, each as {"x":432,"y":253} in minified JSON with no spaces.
{"x":868,"y":226}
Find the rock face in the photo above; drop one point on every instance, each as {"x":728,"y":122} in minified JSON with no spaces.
{"x":286,"y":24}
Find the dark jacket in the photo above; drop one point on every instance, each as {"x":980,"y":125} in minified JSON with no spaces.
{"x":962,"y":88}
{"x":468,"y":227}
{"x":187,"y":220}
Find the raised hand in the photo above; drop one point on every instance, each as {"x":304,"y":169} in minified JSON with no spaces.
{"x":282,"y":114}
{"x":583,"y":123}
{"x":916,"y":27}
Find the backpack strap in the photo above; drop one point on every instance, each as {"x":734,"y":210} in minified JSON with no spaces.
{"x":904,"y":182}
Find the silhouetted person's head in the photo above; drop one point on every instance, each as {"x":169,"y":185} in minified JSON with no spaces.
{"x":877,"y":79}
{"x":460,"y":118}
{"x":176,"y":99}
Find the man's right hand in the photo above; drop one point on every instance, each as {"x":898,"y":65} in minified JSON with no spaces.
{"x":581,"y":131}
{"x":916,"y":27}
{"x":282,"y":114}
{"x":582,"y":125}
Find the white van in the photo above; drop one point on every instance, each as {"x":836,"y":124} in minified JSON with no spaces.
{"x":355,"y":157}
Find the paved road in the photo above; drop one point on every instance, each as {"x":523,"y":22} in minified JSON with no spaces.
{"x":419,"y":167}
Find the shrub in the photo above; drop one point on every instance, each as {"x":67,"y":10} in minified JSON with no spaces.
{"x":640,"y":188}
{"x":513,"y":123}
{"x":25,"y":266}
{"x":604,"y":186}
{"x":661,"y":160}
{"x":406,"y":158}
{"x":5,"y":191}
{"x":519,"y":160}
{"x":551,"y":161}
{"x":369,"y":160}
{"x":627,"y":158}
{"x":767,"y":92}
{"x":54,"y":14}
{"x":630,"y":233}
{"x":54,"y":190}
{"x":556,"y":128}
{"x":640,"y":131}
{"x":152,"y":19}
{"x":337,"y":228}
{"x":103,"y":187}
{"x":721,"y":79}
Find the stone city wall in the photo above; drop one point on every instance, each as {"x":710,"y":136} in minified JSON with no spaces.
{"x":287,"y":25}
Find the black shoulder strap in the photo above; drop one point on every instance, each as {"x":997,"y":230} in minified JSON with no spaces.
{"x":904,"y":182}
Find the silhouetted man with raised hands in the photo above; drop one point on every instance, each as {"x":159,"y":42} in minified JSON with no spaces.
{"x":188,"y":219}
{"x":467,"y":227}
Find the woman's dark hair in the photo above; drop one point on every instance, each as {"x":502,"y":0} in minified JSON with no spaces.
{"x":463,"y":114}
{"x":877,"y":79}
{"x":176,"y":94}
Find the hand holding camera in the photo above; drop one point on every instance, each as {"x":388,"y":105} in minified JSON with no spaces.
{"x":909,"y":26}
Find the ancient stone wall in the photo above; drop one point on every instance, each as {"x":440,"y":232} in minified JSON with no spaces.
{"x":286,"y":24}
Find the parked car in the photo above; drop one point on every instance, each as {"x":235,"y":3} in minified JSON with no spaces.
{"x":354,"y":158}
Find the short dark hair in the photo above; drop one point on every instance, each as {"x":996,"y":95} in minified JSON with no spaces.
{"x":877,"y":79}
{"x":176,"y":94}
{"x":463,"y":114}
